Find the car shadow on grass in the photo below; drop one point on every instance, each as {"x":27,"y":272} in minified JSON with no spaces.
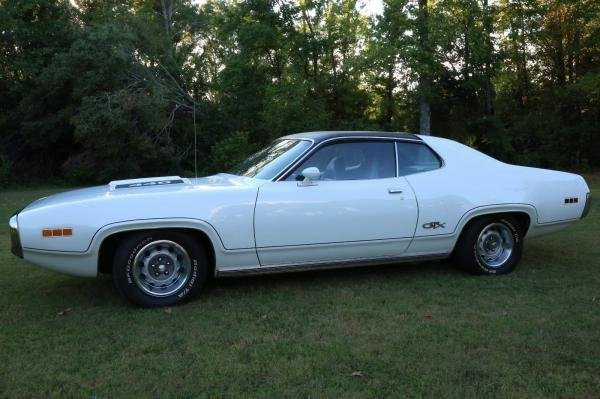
{"x":338,"y":276}
{"x":101,"y":292}
{"x":82,"y":291}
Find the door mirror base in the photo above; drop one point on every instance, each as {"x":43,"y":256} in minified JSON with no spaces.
{"x":310,"y":175}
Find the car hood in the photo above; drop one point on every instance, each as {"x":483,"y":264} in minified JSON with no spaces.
{"x":220,"y":181}
{"x":225,"y":202}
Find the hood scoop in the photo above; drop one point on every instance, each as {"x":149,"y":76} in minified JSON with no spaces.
{"x":148,"y":182}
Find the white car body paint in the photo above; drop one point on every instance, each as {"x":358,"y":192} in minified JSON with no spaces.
{"x":333,"y":220}
{"x":257,"y":225}
{"x":220,"y":206}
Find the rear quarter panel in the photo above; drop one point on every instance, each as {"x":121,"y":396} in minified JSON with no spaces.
{"x":557,"y":196}
{"x":470,"y":181}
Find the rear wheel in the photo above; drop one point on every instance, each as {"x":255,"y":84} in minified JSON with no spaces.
{"x":490,"y":245}
{"x":159,"y":268}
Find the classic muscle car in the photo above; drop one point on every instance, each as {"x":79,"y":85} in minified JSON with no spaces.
{"x":307,"y":201}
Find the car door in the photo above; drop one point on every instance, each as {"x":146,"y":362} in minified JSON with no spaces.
{"x":358,"y":209}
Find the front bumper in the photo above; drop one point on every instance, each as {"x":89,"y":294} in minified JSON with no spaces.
{"x":15,"y":240}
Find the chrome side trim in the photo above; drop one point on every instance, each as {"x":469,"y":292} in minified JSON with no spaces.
{"x":396,"y":159}
{"x":327,"y":265}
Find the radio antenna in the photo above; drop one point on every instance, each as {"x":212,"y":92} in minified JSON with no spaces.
{"x":195,"y":142}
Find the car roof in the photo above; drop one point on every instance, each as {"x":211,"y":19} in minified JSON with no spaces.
{"x":318,"y":137}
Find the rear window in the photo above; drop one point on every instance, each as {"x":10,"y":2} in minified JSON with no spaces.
{"x":416,"y":158}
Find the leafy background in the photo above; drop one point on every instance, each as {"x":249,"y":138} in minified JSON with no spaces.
{"x":93,"y":90}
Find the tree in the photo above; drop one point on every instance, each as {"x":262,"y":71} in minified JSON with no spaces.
{"x":423,"y":64}
{"x":92,"y":90}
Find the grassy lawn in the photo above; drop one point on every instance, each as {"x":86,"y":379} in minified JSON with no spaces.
{"x":408,"y":330}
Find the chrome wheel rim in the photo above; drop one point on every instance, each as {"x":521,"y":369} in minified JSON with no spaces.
{"x":495,"y":245}
{"x":161,"y":268}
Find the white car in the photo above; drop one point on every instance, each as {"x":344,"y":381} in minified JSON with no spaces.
{"x":307,"y":201}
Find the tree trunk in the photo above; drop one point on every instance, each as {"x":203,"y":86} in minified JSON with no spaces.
{"x":489,"y":91}
{"x":424,"y":117}
{"x":389,"y":92}
{"x":167,"y":14}
{"x":424,"y":79}
{"x":313,"y":47}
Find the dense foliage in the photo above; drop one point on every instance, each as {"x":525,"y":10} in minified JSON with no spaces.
{"x":92,"y":90}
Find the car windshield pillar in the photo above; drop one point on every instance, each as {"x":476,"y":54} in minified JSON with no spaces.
{"x":271,"y":160}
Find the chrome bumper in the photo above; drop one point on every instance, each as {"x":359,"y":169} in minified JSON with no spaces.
{"x":15,"y":241}
{"x":588,"y":205}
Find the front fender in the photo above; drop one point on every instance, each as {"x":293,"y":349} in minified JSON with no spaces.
{"x":224,"y":258}
{"x":85,"y":264}
{"x":149,"y":224}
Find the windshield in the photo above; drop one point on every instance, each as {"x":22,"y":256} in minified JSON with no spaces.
{"x":269,"y":161}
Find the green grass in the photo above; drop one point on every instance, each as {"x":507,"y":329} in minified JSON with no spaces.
{"x":412,"y":330}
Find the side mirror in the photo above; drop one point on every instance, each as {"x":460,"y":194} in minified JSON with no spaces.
{"x":310,"y":174}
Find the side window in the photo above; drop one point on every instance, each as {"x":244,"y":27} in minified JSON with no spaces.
{"x":359,"y":160}
{"x":415,"y":158}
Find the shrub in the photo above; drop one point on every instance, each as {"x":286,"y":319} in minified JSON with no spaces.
{"x":5,"y":170}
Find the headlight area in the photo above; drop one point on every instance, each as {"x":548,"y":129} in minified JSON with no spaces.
{"x":15,"y":240}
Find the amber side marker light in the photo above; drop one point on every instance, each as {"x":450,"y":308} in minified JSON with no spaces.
{"x":64,"y":232}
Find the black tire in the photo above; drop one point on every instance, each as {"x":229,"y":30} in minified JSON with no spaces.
{"x":466,"y":255}
{"x":129,"y":286}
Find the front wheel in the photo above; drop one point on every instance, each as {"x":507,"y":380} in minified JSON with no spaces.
{"x":490,"y":245}
{"x":159,"y":268}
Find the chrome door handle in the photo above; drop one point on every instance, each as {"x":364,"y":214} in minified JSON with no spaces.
{"x":394,"y":191}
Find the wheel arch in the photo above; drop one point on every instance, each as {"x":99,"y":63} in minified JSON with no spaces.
{"x":524,"y":215}
{"x":109,"y":243}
